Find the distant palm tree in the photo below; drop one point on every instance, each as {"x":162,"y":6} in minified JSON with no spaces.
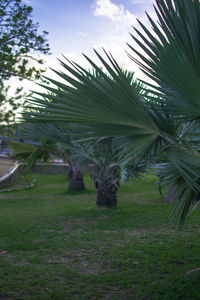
{"x":104,"y":169}
{"x":99,"y":158}
{"x":53,"y":142}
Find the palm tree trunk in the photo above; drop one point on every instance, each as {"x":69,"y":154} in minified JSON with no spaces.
{"x":107,"y":192}
{"x":171,"y":197}
{"x":75,"y":179}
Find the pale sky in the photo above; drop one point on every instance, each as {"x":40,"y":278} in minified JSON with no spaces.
{"x":78,"y":26}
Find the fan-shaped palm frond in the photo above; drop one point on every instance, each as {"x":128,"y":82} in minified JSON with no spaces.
{"x":92,"y":102}
{"x":170,"y":55}
{"x":29,"y":154}
{"x":182,"y":169}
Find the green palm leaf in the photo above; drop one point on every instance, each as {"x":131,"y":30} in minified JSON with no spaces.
{"x":92,"y":102}
{"x":182,"y":169}
{"x":29,"y":154}
{"x":171,"y":56}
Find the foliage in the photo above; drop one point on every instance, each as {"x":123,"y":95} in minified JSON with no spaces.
{"x":19,"y":40}
{"x":149,"y":123}
{"x":49,"y":139}
{"x":98,"y":157}
{"x":29,"y":154}
{"x":19,"y":44}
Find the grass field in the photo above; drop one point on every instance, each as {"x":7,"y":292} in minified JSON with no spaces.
{"x":60,"y":246}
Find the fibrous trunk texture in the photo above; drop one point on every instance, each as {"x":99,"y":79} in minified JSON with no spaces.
{"x":107,"y":192}
{"x":171,"y":197}
{"x":76,"y":180}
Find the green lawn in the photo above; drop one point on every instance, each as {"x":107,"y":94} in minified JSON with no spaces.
{"x":60,"y":246}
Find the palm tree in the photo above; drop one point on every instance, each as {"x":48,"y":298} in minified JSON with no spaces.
{"x":54,"y":141}
{"x":100,"y":158}
{"x":113,"y":107}
{"x":104,"y":169}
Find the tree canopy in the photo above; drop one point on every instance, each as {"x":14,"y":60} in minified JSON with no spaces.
{"x":20,"y":42}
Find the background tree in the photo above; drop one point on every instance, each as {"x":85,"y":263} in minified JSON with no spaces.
{"x":102,"y":162}
{"x":53,"y":141}
{"x":98,"y":157}
{"x":20,"y":43}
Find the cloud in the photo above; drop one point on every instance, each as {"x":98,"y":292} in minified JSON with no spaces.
{"x":84,"y":34}
{"x":114,"y":12}
{"x":113,"y":37}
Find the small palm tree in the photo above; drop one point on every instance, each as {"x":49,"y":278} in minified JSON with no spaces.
{"x":53,"y":142}
{"x":100,"y":158}
{"x":104,"y":169}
